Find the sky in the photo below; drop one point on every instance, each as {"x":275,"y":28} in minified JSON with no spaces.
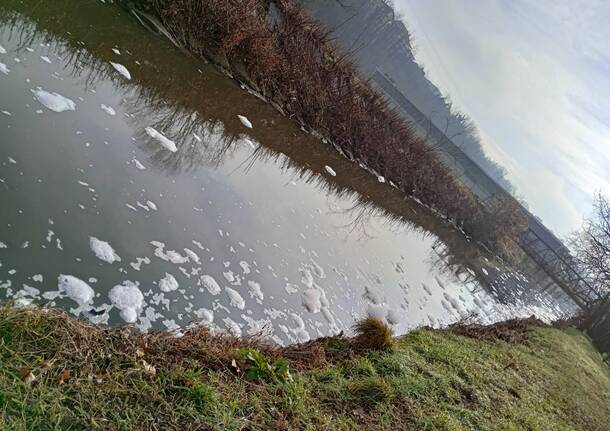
{"x":535,"y":77}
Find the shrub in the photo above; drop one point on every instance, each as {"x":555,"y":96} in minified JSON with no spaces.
{"x":373,"y":334}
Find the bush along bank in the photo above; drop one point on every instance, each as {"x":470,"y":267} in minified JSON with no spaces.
{"x":59,"y":373}
{"x":281,"y":52}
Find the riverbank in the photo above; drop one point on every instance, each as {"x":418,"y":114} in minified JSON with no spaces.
{"x":61,"y":373}
{"x":278,"y":50}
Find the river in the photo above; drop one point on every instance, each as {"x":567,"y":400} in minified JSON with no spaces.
{"x":133,"y":189}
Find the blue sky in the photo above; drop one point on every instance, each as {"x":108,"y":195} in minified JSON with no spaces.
{"x":535,"y":77}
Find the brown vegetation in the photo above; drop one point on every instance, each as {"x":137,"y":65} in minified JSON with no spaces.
{"x":511,"y":331}
{"x":276,"y":48}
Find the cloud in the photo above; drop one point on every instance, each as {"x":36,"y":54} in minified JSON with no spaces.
{"x":535,"y":77}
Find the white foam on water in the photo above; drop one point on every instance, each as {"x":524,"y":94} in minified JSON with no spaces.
{"x":121,"y":69}
{"x":3,"y":245}
{"x":51,"y":295}
{"x":138,"y":263}
{"x":378,"y":311}
{"x":257,"y":327}
{"x":210,"y":284}
{"x":192,"y":255}
{"x":245,"y":121}
{"x":312,"y":300}
{"x":168,"y":283}
{"x":245,"y":267}
{"x":455,"y":304}
{"x":128,"y":298}
{"x":139,"y":165}
{"x":116,"y":51}
{"x":235,"y":298}
{"x":394,"y":316}
{"x":233,"y":328}
{"x":306,"y":276}
{"x":108,"y":109}
{"x":2,"y":50}
{"x":103,"y":250}
{"x":8,"y":114}
{"x":299,"y":328}
{"x":380,"y":179}
{"x":45,"y":59}
{"x":169,"y":255}
{"x":229,"y":276}
{"x":27,"y":291}
{"x":4,"y":69}
{"x":291,"y":288}
{"x":54,"y":101}
{"x":206,"y":316}
{"x":255,"y":291}
{"x":199,"y":245}
{"x":76,"y":289}
{"x":330,"y":170}
{"x":37,"y":278}
{"x":151,"y":205}
{"x":166,"y":143}
{"x":173,"y":327}
{"x":484,"y":271}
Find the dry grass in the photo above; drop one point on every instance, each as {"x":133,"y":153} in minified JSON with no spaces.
{"x":510,"y":331}
{"x":373,"y":334}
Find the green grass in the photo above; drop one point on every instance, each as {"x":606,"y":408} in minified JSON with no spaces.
{"x":430,"y":380}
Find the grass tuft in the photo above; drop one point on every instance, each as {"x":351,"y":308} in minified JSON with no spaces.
{"x":373,"y":334}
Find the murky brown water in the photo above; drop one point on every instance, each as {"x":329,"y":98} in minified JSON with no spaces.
{"x":294,"y":250}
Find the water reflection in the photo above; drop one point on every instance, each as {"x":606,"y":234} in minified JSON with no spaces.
{"x":361,"y":239}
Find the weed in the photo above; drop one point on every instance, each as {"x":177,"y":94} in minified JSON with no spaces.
{"x":259,"y":367}
{"x":201,"y":394}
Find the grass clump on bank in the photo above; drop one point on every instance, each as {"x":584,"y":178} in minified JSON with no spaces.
{"x":280,"y":51}
{"x":58,"y":373}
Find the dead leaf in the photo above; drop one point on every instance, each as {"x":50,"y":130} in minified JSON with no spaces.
{"x":27,"y":375}
{"x":139,"y":352}
{"x":235,"y":366}
{"x":30,"y":378}
{"x":24,"y":372}
{"x":149,"y":369}
{"x":63,"y":376}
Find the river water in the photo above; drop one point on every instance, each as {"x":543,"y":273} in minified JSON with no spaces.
{"x":126,"y":162}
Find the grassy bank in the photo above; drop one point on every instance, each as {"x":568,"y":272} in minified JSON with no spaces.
{"x":275,"y":47}
{"x":58,"y":373}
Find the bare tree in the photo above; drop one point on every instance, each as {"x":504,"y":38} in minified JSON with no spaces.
{"x":592,"y":245}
